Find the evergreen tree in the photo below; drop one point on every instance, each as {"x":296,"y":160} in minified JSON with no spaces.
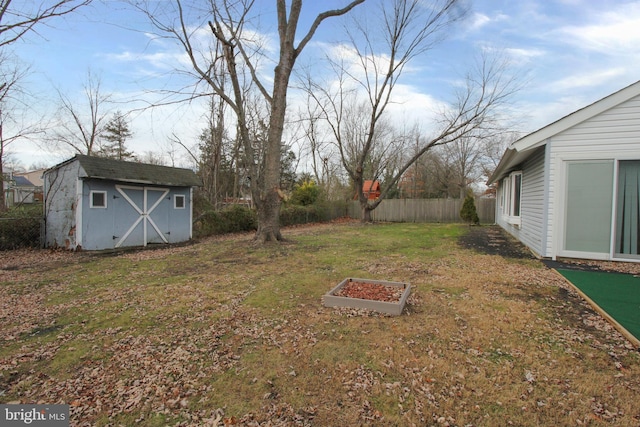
{"x":115,"y":135}
{"x":468,"y":211}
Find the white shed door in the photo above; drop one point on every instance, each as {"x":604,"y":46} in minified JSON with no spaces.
{"x":141,"y":225}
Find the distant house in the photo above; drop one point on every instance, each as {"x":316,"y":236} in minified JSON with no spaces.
{"x":371,"y":189}
{"x":572,"y":188}
{"x":94,"y":203}
{"x":18,"y":190}
{"x":34,"y":176}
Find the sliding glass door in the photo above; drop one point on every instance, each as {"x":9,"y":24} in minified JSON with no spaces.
{"x":627,"y":208}
{"x":589,"y":197}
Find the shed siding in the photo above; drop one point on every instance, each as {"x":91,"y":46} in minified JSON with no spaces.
{"x":104,"y":228}
{"x":99,"y":224}
{"x":60,"y":196}
{"x":613,"y":134}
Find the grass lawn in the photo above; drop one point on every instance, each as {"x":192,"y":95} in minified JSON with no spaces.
{"x":222,"y":332}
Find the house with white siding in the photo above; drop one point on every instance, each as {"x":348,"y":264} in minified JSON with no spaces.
{"x":572,"y":189}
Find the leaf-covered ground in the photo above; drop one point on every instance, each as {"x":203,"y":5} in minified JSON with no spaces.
{"x":222,"y":332}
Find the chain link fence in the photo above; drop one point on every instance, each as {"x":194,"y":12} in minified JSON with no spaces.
{"x":21,"y":232}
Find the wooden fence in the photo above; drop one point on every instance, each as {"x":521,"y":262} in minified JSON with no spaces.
{"x":425,"y":210}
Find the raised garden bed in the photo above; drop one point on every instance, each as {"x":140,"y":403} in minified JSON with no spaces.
{"x":377,"y":295}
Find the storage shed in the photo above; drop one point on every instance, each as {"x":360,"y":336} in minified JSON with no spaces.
{"x":572,"y":188}
{"x":94,"y":203}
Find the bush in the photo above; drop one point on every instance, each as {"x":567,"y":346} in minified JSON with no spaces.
{"x":20,"y":227}
{"x":232,"y":219}
{"x":296,"y":214}
{"x":468,"y":212}
{"x":238,"y":218}
{"x":305,"y":194}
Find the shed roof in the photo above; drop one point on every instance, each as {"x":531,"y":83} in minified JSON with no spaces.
{"x":139,"y":173}
{"x":521,"y":149}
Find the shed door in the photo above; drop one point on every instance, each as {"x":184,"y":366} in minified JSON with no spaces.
{"x":140,"y":221}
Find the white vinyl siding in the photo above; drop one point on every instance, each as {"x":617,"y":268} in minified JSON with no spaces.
{"x":613,"y":134}
{"x":532,"y":206}
{"x":533,"y":201}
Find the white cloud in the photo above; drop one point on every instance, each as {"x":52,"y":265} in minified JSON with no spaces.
{"x":616,"y":31}
{"x":524,"y":54}
{"x":591,"y":79}
{"x":478,"y":20}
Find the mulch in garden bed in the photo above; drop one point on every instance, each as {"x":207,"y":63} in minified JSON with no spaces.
{"x":493,"y":240}
{"x":370,"y":291}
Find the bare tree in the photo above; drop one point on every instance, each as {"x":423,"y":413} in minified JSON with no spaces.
{"x":409,"y":28}
{"x":19,"y":17}
{"x":493,"y":149}
{"x":15,"y":102}
{"x":228,"y":25}
{"x":464,"y":156}
{"x":80,"y":126}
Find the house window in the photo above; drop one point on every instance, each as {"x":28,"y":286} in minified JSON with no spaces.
{"x":179,"y":201}
{"x":98,"y":199}
{"x":511,"y":195}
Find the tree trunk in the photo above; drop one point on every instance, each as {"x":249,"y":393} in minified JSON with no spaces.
{"x":269,"y":219}
{"x":270,"y":200}
{"x":366,"y":213}
{"x":2,"y":199}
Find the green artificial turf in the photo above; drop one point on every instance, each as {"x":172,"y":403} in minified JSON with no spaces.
{"x":617,"y":294}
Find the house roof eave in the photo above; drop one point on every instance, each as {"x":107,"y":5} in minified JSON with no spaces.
{"x":539,"y":137}
{"x":521,"y":149}
{"x":503,"y":166}
{"x":510,"y":160}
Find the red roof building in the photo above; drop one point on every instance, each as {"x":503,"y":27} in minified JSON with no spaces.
{"x":371,"y":189}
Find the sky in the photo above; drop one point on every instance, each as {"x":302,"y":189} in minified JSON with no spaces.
{"x":566,"y":53}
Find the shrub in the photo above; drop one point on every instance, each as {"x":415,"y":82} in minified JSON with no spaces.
{"x":296,"y":214}
{"x":468,"y":212}
{"x":232,"y":219}
{"x":238,"y":218}
{"x":20,"y":227}
{"x":305,"y":194}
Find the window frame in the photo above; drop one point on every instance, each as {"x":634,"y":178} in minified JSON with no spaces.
{"x":511,"y":200}
{"x":175,"y":201}
{"x":92,"y":205}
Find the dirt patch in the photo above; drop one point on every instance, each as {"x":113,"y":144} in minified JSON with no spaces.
{"x":493,"y":240}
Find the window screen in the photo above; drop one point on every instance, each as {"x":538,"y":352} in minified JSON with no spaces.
{"x":98,"y":199}
{"x":179,"y":201}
